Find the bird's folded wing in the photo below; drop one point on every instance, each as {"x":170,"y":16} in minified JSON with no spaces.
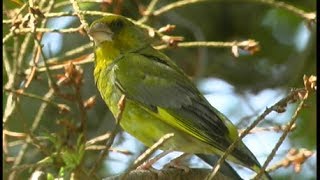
{"x":157,"y":85}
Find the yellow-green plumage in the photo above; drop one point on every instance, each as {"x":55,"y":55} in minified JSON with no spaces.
{"x":160,"y":99}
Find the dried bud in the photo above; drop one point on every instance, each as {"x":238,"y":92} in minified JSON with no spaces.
{"x":151,"y":33}
{"x":297,"y":158}
{"x":312,"y":19}
{"x":167,"y":28}
{"x":74,"y":73}
{"x":310,"y":83}
{"x":172,"y":40}
{"x":250,"y":45}
{"x":235,"y":51}
{"x":63,"y":108}
{"x":297,"y":168}
{"x":89,"y":103}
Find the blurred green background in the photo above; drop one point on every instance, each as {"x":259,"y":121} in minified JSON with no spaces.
{"x":239,"y":87}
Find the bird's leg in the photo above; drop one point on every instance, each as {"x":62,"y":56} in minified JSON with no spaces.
{"x":148,"y":164}
{"x":178,"y":162}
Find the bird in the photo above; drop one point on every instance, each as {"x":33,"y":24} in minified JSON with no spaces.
{"x":159,"y":96}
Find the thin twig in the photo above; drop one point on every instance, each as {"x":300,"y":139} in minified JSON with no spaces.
{"x":68,"y":54}
{"x":283,"y":136}
{"x":77,"y":10}
{"x":290,"y":8}
{"x":175,"y":5}
{"x":89,"y":59}
{"x":66,"y":3}
{"x":276,"y":128}
{"x":48,"y":30}
{"x":37,"y":118}
{"x":102,"y":147}
{"x":98,"y":139}
{"x":14,"y":134}
{"x":5,"y":59}
{"x":86,"y":60}
{"x":50,"y":79}
{"x":83,"y":112}
{"x":277,"y":4}
{"x":57,"y":105}
{"x":104,"y":153}
{"x":7,"y":37}
{"x":36,"y":50}
{"x":148,"y":11}
{"x":216,"y":44}
{"x":11,"y":33}
{"x":35,"y":124}
{"x":282,"y":103}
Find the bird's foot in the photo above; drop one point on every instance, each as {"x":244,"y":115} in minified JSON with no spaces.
{"x":183,"y":167}
{"x":147,"y":166}
{"x":178,"y":163}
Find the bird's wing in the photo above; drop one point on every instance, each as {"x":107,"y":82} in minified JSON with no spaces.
{"x":156,"y":84}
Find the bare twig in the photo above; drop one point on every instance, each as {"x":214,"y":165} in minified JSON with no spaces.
{"x":37,"y":50}
{"x":77,"y":10}
{"x":61,"y":107}
{"x":50,"y":79}
{"x":98,"y":139}
{"x":14,"y":134}
{"x":66,"y":3}
{"x":7,"y":37}
{"x":249,"y":45}
{"x":175,"y":5}
{"x":271,"y":128}
{"x":103,"y":147}
{"x":282,"y":103}
{"x":278,"y":4}
{"x":299,"y":12}
{"x":47,"y":30}
{"x":148,"y":12}
{"x":286,"y":131}
{"x":88,"y":59}
{"x":104,"y":153}
{"x":11,"y":33}
{"x":35,"y":124}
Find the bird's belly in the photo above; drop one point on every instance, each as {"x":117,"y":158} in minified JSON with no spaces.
{"x":148,"y":128}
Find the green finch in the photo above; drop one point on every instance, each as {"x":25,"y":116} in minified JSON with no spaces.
{"x":160,"y":98}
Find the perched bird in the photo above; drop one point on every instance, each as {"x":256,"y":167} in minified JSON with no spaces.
{"x":160,"y":98}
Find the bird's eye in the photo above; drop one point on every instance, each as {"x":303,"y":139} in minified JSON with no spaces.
{"x":116,"y":25}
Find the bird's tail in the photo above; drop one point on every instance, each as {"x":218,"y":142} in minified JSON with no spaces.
{"x":247,"y":158}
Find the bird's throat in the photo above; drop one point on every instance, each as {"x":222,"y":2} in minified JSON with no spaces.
{"x":105,"y":54}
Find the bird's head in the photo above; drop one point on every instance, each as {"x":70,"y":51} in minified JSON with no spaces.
{"x":119,"y":32}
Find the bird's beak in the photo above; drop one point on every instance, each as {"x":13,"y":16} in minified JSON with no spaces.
{"x":100,"y":33}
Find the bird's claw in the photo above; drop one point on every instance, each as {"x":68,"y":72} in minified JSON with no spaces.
{"x":177,"y":165}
